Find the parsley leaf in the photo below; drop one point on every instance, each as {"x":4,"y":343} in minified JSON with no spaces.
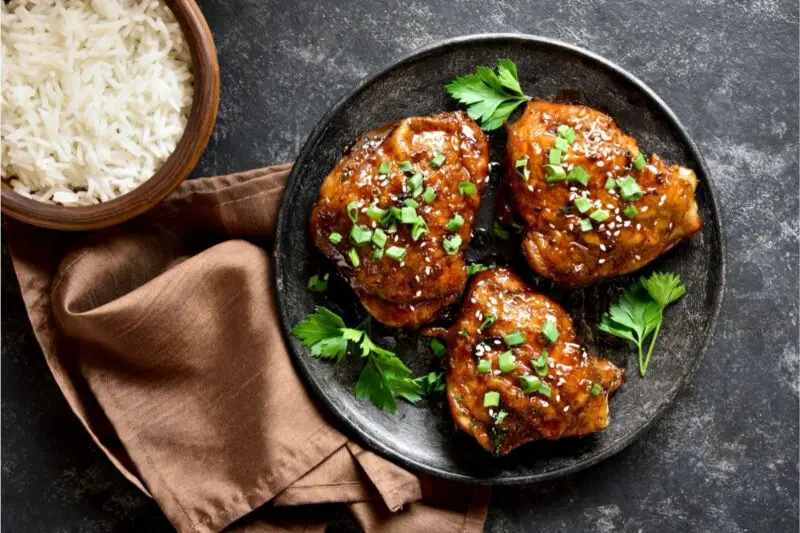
{"x":640,"y":312}
{"x":490,"y":96}
{"x":384,"y":377}
{"x":321,"y":325}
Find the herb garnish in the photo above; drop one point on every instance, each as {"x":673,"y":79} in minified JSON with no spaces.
{"x":384,"y":377}
{"x":431,"y":383}
{"x":490,"y":96}
{"x":640,"y":312}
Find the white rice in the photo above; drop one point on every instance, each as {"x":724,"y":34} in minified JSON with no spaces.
{"x":95,"y":96}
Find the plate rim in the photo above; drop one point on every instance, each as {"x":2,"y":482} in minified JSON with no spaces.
{"x":419,"y":53}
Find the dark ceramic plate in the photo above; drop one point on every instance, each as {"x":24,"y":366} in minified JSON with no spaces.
{"x":422,"y":436}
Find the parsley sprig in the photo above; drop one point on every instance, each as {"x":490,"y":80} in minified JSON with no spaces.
{"x":490,"y":96}
{"x":384,"y":377}
{"x":640,"y":312}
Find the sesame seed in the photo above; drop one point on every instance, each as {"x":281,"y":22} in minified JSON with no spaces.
{"x":663,"y":199}
{"x":644,"y":209}
{"x":600,"y":164}
{"x":637,"y":257}
{"x":616,"y":233}
{"x":627,"y":223}
{"x":638,"y":227}
{"x":419,"y":293}
{"x":603,"y":247}
{"x":601,"y":261}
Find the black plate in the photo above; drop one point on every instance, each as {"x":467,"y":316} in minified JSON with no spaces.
{"x":422,"y":436}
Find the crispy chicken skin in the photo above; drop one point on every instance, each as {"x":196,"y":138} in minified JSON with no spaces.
{"x":554,"y":243}
{"x":570,"y":410}
{"x":411,"y":291}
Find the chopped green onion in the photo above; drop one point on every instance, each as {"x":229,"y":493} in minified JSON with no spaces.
{"x":352,"y":211}
{"x":596,"y":389}
{"x":582,"y":203}
{"x":554,"y":157}
{"x":540,"y":364}
{"x":499,"y":231}
{"x":392,"y":228}
{"x":396,"y":212}
{"x":374,"y":212}
{"x":631,"y":211}
{"x":639,"y":161}
{"x":429,"y":195}
{"x":488,"y":322}
{"x":506,"y":362}
{"x":566,"y":133}
{"x":317,"y":284}
{"x":438,"y":348}
{"x":578,"y":174}
{"x":544,"y":389}
{"x":629,"y":189}
{"x":555,"y":173}
{"x":500,"y":416}
{"x":438,"y":160}
{"x":379,"y":238}
{"x":335,"y":237}
{"x":415,"y":181}
{"x":514,"y":338}
{"x":452,"y":244}
{"x":377,"y":254}
{"x":406,"y":166}
{"x":600,"y":215}
{"x":530,"y":384}
{"x":586,"y":225}
{"x":467,"y":187}
{"x":491,"y":399}
{"x":360,"y":235}
{"x":354,"y":259}
{"x":522,"y":168}
{"x":419,"y":228}
{"x":396,"y":253}
{"x":464,"y":332}
{"x":550,"y":331}
{"x":562,"y":144}
{"x":410,"y":202}
{"x":475,"y":268}
{"x":484,"y":366}
{"x":611,"y":184}
{"x":455,"y":223}
{"x":408,"y":215}
{"x":385,"y":168}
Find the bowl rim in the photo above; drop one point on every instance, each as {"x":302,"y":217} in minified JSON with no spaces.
{"x":195,"y":137}
{"x":353,"y":429}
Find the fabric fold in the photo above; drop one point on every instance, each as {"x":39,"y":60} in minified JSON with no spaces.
{"x":164,"y":336}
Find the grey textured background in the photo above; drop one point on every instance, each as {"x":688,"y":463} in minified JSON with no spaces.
{"x":725,"y":458}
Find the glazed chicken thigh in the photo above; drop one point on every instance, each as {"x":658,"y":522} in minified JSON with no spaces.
{"x":516,"y":372}
{"x":593,"y":206}
{"x":395,"y":215}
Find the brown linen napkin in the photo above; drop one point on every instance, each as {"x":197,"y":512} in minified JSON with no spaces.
{"x":163,"y":336}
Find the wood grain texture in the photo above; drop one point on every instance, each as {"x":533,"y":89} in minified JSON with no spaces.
{"x":175,"y":169}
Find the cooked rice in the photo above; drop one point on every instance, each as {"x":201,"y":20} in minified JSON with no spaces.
{"x":95,"y":96}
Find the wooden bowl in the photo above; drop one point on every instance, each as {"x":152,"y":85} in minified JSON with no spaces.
{"x":175,"y":169}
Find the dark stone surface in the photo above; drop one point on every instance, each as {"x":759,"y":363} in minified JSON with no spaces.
{"x":725,"y":458}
